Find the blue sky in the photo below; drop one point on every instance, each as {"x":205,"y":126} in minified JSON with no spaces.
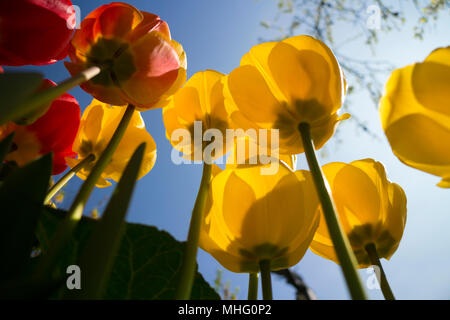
{"x":215,"y":34}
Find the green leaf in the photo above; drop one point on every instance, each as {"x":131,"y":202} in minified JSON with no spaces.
{"x":97,"y":257}
{"x":146,"y":266}
{"x":21,"y":196}
{"x":15,"y":88}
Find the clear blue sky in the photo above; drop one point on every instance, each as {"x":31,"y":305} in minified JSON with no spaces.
{"x":215,"y":34}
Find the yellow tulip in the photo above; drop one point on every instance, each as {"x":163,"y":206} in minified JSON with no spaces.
{"x":415,"y":114}
{"x":248,"y":152}
{"x":98,"y":124}
{"x":371,"y":209}
{"x":251,"y":218}
{"x":279,"y":85}
{"x":201,"y":101}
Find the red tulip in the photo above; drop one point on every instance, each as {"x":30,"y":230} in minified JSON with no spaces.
{"x":142,"y":65}
{"x":55,"y":132}
{"x":35,"y":31}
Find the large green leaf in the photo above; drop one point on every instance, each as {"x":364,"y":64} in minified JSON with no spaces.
{"x":21,"y":196}
{"x":15,"y":88}
{"x":146,"y":267}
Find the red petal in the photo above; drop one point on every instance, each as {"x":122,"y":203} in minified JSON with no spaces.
{"x":150,"y":23}
{"x":56,"y":130}
{"x":34,"y":31}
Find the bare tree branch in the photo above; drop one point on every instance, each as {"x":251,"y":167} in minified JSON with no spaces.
{"x":321,"y":18}
{"x":295,"y":280}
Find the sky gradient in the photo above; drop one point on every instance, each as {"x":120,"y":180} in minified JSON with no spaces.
{"x":215,"y":34}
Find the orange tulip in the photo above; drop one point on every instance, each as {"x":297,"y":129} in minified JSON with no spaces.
{"x":141,"y":64}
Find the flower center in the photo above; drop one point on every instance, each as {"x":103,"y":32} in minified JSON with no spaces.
{"x":116,"y":60}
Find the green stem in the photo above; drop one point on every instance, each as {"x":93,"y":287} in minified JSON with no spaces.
{"x":341,"y":244}
{"x":75,"y":212}
{"x":190,"y":253}
{"x":66,"y":178}
{"x":253,"y":286}
{"x":52,"y":93}
{"x":375,"y":260}
{"x":266,"y":280}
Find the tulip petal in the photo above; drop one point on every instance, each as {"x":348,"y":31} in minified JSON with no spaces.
{"x":431,"y":85}
{"x":157,"y":65}
{"x":370,"y":210}
{"x":303,"y":82}
{"x":35,"y":32}
{"x":117,"y":20}
{"x":427,"y":153}
{"x":395,"y":219}
{"x":337,"y":83}
{"x":440,"y":55}
{"x":98,"y":124}
{"x":248,"y":89}
{"x":251,"y":216}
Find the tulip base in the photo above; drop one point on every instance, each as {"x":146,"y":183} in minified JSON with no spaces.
{"x":266,"y":280}
{"x":253,"y":286}
{"x":341,"y":244}
{"x":66,"y":178}
{"x":375,"y":260}
{"x":190,"y":253}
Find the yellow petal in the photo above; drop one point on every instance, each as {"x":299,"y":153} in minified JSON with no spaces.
{"x":201,"y":99}
{"x":370,"y":209}
{"x":440,"y":55}
{"x":431,"y":85}
{"x":249,"y":91}
{"x":357,"y":196}
{"x":395,"y":220}
{"x":422,"y":143}
{"x":258,"y":57}
{"x":252,"y":217}
{"x":337,"y":82}
{"x":418,"y":134}
{"x":97,"y":126}
{"x":303,"y":77}
{"x":444,"y":183}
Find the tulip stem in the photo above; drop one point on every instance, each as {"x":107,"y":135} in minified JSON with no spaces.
{"x":66,"y":178}
{"x":341,"y":244}
{"x":375,"y":260}
{"x":253,"y":286}
{"x":50,"y":94}
{"x":67,"y":226}
{"x":190,"y":254}
{"x":266,"y":280}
